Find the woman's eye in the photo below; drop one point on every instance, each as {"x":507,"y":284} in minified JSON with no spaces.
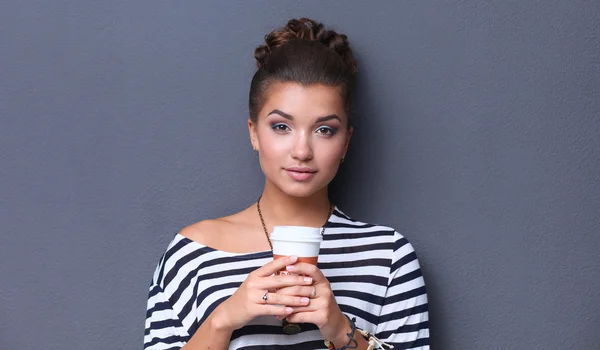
{"x":325,"y":130}
{"x":279,"y":127}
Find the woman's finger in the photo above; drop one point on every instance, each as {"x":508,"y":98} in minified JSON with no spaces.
{"x":302,"y":317}
{"x":302,"y":291}
{"x":308,"y":308}
{"x":287,"y":300}
{"x":278,"y":310}
{"x":307,"y":269}
{"x":275,"y":265}
{"x":281,"y":281}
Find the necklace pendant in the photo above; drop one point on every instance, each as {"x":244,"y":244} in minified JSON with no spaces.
{"x":291,"y":328}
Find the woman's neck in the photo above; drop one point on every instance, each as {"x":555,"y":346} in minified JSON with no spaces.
{"x":278,"y":208}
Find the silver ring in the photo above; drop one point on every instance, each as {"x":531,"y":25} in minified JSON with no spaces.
{"x":265,"y":297}
{"x":314,"y":292}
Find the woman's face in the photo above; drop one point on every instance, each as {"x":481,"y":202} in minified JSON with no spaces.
{"x":302,"y":134}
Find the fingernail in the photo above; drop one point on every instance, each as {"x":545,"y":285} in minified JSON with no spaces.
{"x":307,"y":279}
{"x":289,"y":267}
{"x":289,"y":310}
{"x":293,"y":258}
{"x":304,"y":300}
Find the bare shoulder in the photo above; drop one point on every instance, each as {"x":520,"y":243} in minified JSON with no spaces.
{"x":203,"y":232}
{"x":224,"y":233}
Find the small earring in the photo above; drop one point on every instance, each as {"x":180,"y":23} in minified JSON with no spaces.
{"x":256,"y":153}
{"x":342,"y":160}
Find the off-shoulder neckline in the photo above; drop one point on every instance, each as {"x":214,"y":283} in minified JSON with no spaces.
{"x":236,"y":254}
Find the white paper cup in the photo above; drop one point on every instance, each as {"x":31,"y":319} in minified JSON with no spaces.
{"x":301,"y":241}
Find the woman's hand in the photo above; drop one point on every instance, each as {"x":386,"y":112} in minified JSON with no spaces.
{"x":323,"y":310}
{"x":247,"y":302}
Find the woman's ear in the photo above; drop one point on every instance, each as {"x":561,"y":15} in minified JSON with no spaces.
{"x":253,"y":135}
{"x":348,"y":136}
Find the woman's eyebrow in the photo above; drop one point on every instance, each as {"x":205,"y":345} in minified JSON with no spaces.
{"x":319,"y":120}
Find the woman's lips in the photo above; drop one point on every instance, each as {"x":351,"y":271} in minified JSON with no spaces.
{"x":300,"y":175}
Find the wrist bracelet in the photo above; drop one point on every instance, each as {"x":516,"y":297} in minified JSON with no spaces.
{"x":352,"y":344}
{"x":374,"y":342}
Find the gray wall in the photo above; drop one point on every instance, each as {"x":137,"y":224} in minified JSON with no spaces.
{"x":477,"y":137}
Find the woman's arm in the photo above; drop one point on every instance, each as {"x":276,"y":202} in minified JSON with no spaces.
{"x":165,"y":330}
{"x":404,"y":317}
{"x":213,"y":334}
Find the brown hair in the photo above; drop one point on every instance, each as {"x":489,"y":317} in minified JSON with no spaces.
{"x":305,"y":53}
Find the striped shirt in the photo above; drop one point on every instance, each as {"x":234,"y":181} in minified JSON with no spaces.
{"x":373,"y":272}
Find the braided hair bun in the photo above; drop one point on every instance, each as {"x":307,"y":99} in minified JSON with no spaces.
{"x":306,"y":29}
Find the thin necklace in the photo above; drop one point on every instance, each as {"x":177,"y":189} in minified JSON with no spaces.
{"x":265,"y":227}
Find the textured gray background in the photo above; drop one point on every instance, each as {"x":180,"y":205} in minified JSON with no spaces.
{"x":477,"y":137}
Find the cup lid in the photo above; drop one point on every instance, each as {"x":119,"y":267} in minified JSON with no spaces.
{"x":296,"y":234}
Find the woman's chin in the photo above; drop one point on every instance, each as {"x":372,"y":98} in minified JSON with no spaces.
{"x":303,"y":190}
{"x":299,"y":192}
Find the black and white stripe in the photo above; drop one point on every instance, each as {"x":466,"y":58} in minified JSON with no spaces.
{"x":373,"y":271}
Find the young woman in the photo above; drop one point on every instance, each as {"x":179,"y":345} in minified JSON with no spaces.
{"x":215,"y":286}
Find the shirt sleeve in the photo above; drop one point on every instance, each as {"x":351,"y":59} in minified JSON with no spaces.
{"x":164,"y":330}
{"x":404,"y":318}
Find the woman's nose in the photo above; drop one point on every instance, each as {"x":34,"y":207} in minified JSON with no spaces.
{"x":302,"y":149}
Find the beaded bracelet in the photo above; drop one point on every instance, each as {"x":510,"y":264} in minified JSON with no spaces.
{"x":373,"y":341}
